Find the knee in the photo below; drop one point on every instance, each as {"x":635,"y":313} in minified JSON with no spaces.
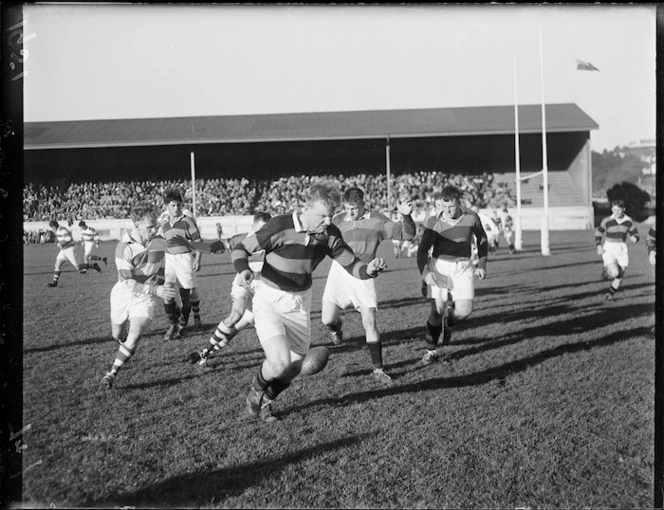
{"x":462,"y":312}
{"x":613,"y":271}
{"x":234,"y":316}
{"x":281,"y":366}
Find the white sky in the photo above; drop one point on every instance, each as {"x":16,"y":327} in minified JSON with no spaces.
{"x":133,"y":61}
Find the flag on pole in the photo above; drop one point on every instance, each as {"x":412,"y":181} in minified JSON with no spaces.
{"x":585,"y":66}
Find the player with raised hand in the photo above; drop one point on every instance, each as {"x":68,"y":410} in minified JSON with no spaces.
{"x":449,"y":271}
{"x":66,"y":243}
{"x":241,"y":314}
{"x":90,"y":240}
{"x":295,"y":244}
{"x":363,"y":230}
{"x":615,"y":258}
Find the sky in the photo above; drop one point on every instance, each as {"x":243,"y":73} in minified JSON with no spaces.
{"x":136,"y":61}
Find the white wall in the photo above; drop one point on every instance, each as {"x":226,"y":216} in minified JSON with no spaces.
{"x":560,"y":218}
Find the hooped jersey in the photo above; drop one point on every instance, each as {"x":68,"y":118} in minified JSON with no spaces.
{"x":184,"y":226}
{"x":452,"y":240}
{"x":89,"y":235}
{"x":64,"y":238}
{"x":366,"y":233}
{"x":292,"y":253}
{"x":139,"y":264}
{"x":615,"y":230}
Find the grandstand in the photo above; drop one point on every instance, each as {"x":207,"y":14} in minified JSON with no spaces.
{"x":92,"y":169}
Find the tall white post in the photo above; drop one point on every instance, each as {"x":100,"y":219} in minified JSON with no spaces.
{"x":545,"y":216}
{"x":518,"y":240}
{"x":389,"y":177}
{"x":193,"y":185}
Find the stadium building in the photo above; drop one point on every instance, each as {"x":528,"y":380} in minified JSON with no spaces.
{"x":468,"y":140}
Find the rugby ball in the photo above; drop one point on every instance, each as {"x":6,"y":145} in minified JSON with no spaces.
{"x":315,"y":360}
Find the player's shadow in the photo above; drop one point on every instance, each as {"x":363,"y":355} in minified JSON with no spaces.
{"x":85,"y":341}
{"x":497,"y":373}
{"x":194,"y":490}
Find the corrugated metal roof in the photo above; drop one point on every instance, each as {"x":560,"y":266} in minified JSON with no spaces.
{"x":480,"y":120}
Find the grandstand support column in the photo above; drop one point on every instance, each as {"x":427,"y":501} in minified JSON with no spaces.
{"x":518,"y":238}
{"x":389,"y":178}
{"x":545,"y":216}
{"x":193,"y":185}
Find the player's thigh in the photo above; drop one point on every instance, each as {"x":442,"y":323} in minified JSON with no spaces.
{"x":70,"y":254}
{"x":184,"y":271}
{"x":463,"y":283}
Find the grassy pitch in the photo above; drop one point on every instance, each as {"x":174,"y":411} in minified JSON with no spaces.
{"x":545,"y":399}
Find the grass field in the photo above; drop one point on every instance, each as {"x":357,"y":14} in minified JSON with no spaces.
{"x":546,"y":398}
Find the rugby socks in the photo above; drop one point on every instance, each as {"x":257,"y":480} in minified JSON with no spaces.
{"x":220,"y":338}
{"x":124,"y":354}
{"x":186,"y":303}
{"x":56,"y":277}
{"x":195,"y":307}
{"x":433,"y":334}
{"x":260,"y":384}
{"x":246,"y":320}
{"x":336,"y":327}
{"x":275,"y":386}
{"x":612,"y":289}
{"x":83,"y":268}
{"x":171,"y":312}
{"x":376,"y":352}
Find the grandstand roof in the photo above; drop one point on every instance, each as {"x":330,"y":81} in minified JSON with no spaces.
{"x":479,"y":120}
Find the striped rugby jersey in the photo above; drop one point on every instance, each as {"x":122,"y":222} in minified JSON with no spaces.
{"x":366,"y":233}
{"x":651,"y":239}
{"x":89,"y":235}
{"x":184,"y":226}
{"x":255,"y":259}
{"x":140,"y":267}
{"x":64,"y":238}
{"x":452,"y":241}
{"x":616,"y":230}
{"x":292,"y":254}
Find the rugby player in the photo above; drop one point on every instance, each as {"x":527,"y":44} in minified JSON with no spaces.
{"x":66,"y":243}
{"x":363,"y":230}
{"x":616,"y":229}
{"x":294,"y":245}
{"x":448,"y":272}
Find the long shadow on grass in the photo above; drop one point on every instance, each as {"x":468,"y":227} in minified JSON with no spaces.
{"x":498,"y":373}
{"x":86,"y":341}
{"x":201,"y":488}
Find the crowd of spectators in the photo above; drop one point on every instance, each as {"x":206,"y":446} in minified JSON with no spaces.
{"x":223,"y":197}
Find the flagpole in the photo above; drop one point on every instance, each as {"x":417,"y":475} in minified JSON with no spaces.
{"x":545,"y":172}
{"x":518,"y":243}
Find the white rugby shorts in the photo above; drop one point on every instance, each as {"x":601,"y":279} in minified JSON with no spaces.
{"x":615,"y":253}
{"x":281,"y":313}
{"x":87,"y":248}
{"x":67,"y":254}
{"x":180,"y":268}
{"x":454,"y":277}
{"x":344,"y":290}
{"x":242,"y":292}
{"x":130,"y":305}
